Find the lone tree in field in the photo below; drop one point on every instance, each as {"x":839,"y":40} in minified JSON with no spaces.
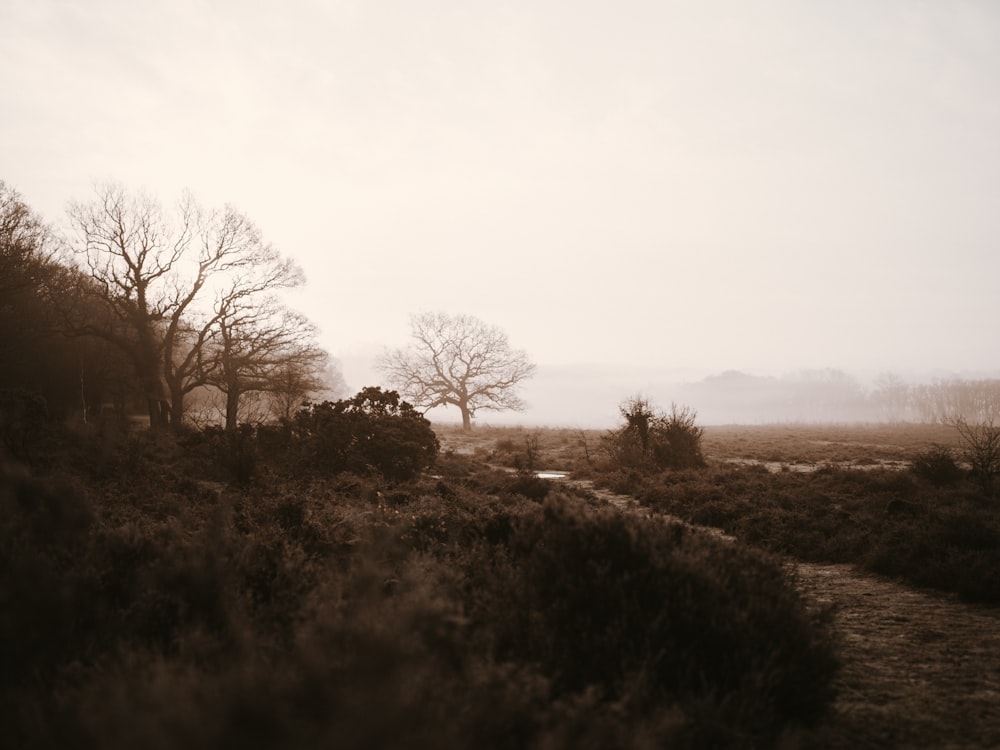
{"x":458,"y":360}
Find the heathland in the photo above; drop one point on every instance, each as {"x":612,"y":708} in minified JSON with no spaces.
{"x":428,"y":588}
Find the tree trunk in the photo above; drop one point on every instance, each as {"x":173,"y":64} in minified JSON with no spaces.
{"x":466,"y":418}
{"x":147,"y":365}
{"x":156,"y":402}
{"x":176,"y":406}
{"x":232,"y":409}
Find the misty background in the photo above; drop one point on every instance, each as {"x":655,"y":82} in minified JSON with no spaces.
{"x":643,"y":196}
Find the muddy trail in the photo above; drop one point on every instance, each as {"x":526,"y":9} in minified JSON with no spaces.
{"x":920,"y":669}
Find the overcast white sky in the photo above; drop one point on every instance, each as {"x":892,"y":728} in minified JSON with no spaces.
{"x":762,"y":186}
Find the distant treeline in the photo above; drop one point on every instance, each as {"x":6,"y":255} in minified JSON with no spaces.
{"x":835,"y":396}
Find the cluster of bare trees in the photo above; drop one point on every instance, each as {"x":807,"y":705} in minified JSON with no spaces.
{"x":831,"y":395}
{"x":179,"y":300}
{"x":941,"y":401}
{"x":176,"y":309}
{"x":190,"y":301}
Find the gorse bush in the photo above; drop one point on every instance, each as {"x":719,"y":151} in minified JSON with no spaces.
{"x":652,"y":441}
{"x":374,"y":430}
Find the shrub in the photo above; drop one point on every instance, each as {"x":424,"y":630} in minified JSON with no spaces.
{"x":649,"y":614}
{"x":531,"y":487}
{"x":23,"y":419}
{"x":374,"y":430}
{"x":44,"y":528}
{"x":937,"y":465}
{"x":981,"y":449}
{"x":650,"y":440}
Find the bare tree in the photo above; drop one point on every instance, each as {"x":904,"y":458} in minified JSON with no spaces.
{"x":457,"y":360}
{"x":265,"y":349}
{"x":166,"y":280}
{"x":980,"y":447}
{"x":293,"y":387}
{"x":892,"y":396}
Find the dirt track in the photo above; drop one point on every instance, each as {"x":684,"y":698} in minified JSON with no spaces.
{"x":920,"y":669}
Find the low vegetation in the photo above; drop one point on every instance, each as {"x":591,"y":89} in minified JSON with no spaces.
{"x":355,"y":578}
{"x":901,"y":500}
{"x":890,"y":522}
{"x":934,"y":523}
{"x":155,"y":597}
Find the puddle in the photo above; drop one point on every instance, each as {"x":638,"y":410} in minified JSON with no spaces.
{"x":776,"y":467}
{"x":549,"y":474}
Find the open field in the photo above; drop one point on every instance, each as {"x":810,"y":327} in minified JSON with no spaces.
{"x":792,"y":445}
{"x":816,"y":445}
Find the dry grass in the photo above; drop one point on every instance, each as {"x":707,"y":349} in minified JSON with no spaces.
{"x":822,"y":444}
{"x":805,"y":445}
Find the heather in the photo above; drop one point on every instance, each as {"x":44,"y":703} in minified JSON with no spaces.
{"x":155,"y":595}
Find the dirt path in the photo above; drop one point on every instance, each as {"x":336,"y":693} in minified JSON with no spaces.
{"x":920,"y":669}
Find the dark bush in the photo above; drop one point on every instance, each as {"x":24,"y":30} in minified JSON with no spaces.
{"x":937,"y":465}
{"x":648,"y":614}
{"x":23,"y":421}
{"x":653,"y":441}
{"x":450,"y":464}
{"x":981,"y":449}
{"x":532,"y":487}
{"x":374,"y":430}
{"x":44,"y":530}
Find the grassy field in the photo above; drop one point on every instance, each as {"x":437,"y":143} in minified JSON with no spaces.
{"x":788,"y":444}
{"x":858,"y":445}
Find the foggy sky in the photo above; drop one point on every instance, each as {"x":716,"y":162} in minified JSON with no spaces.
{"x":758,"y":186}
